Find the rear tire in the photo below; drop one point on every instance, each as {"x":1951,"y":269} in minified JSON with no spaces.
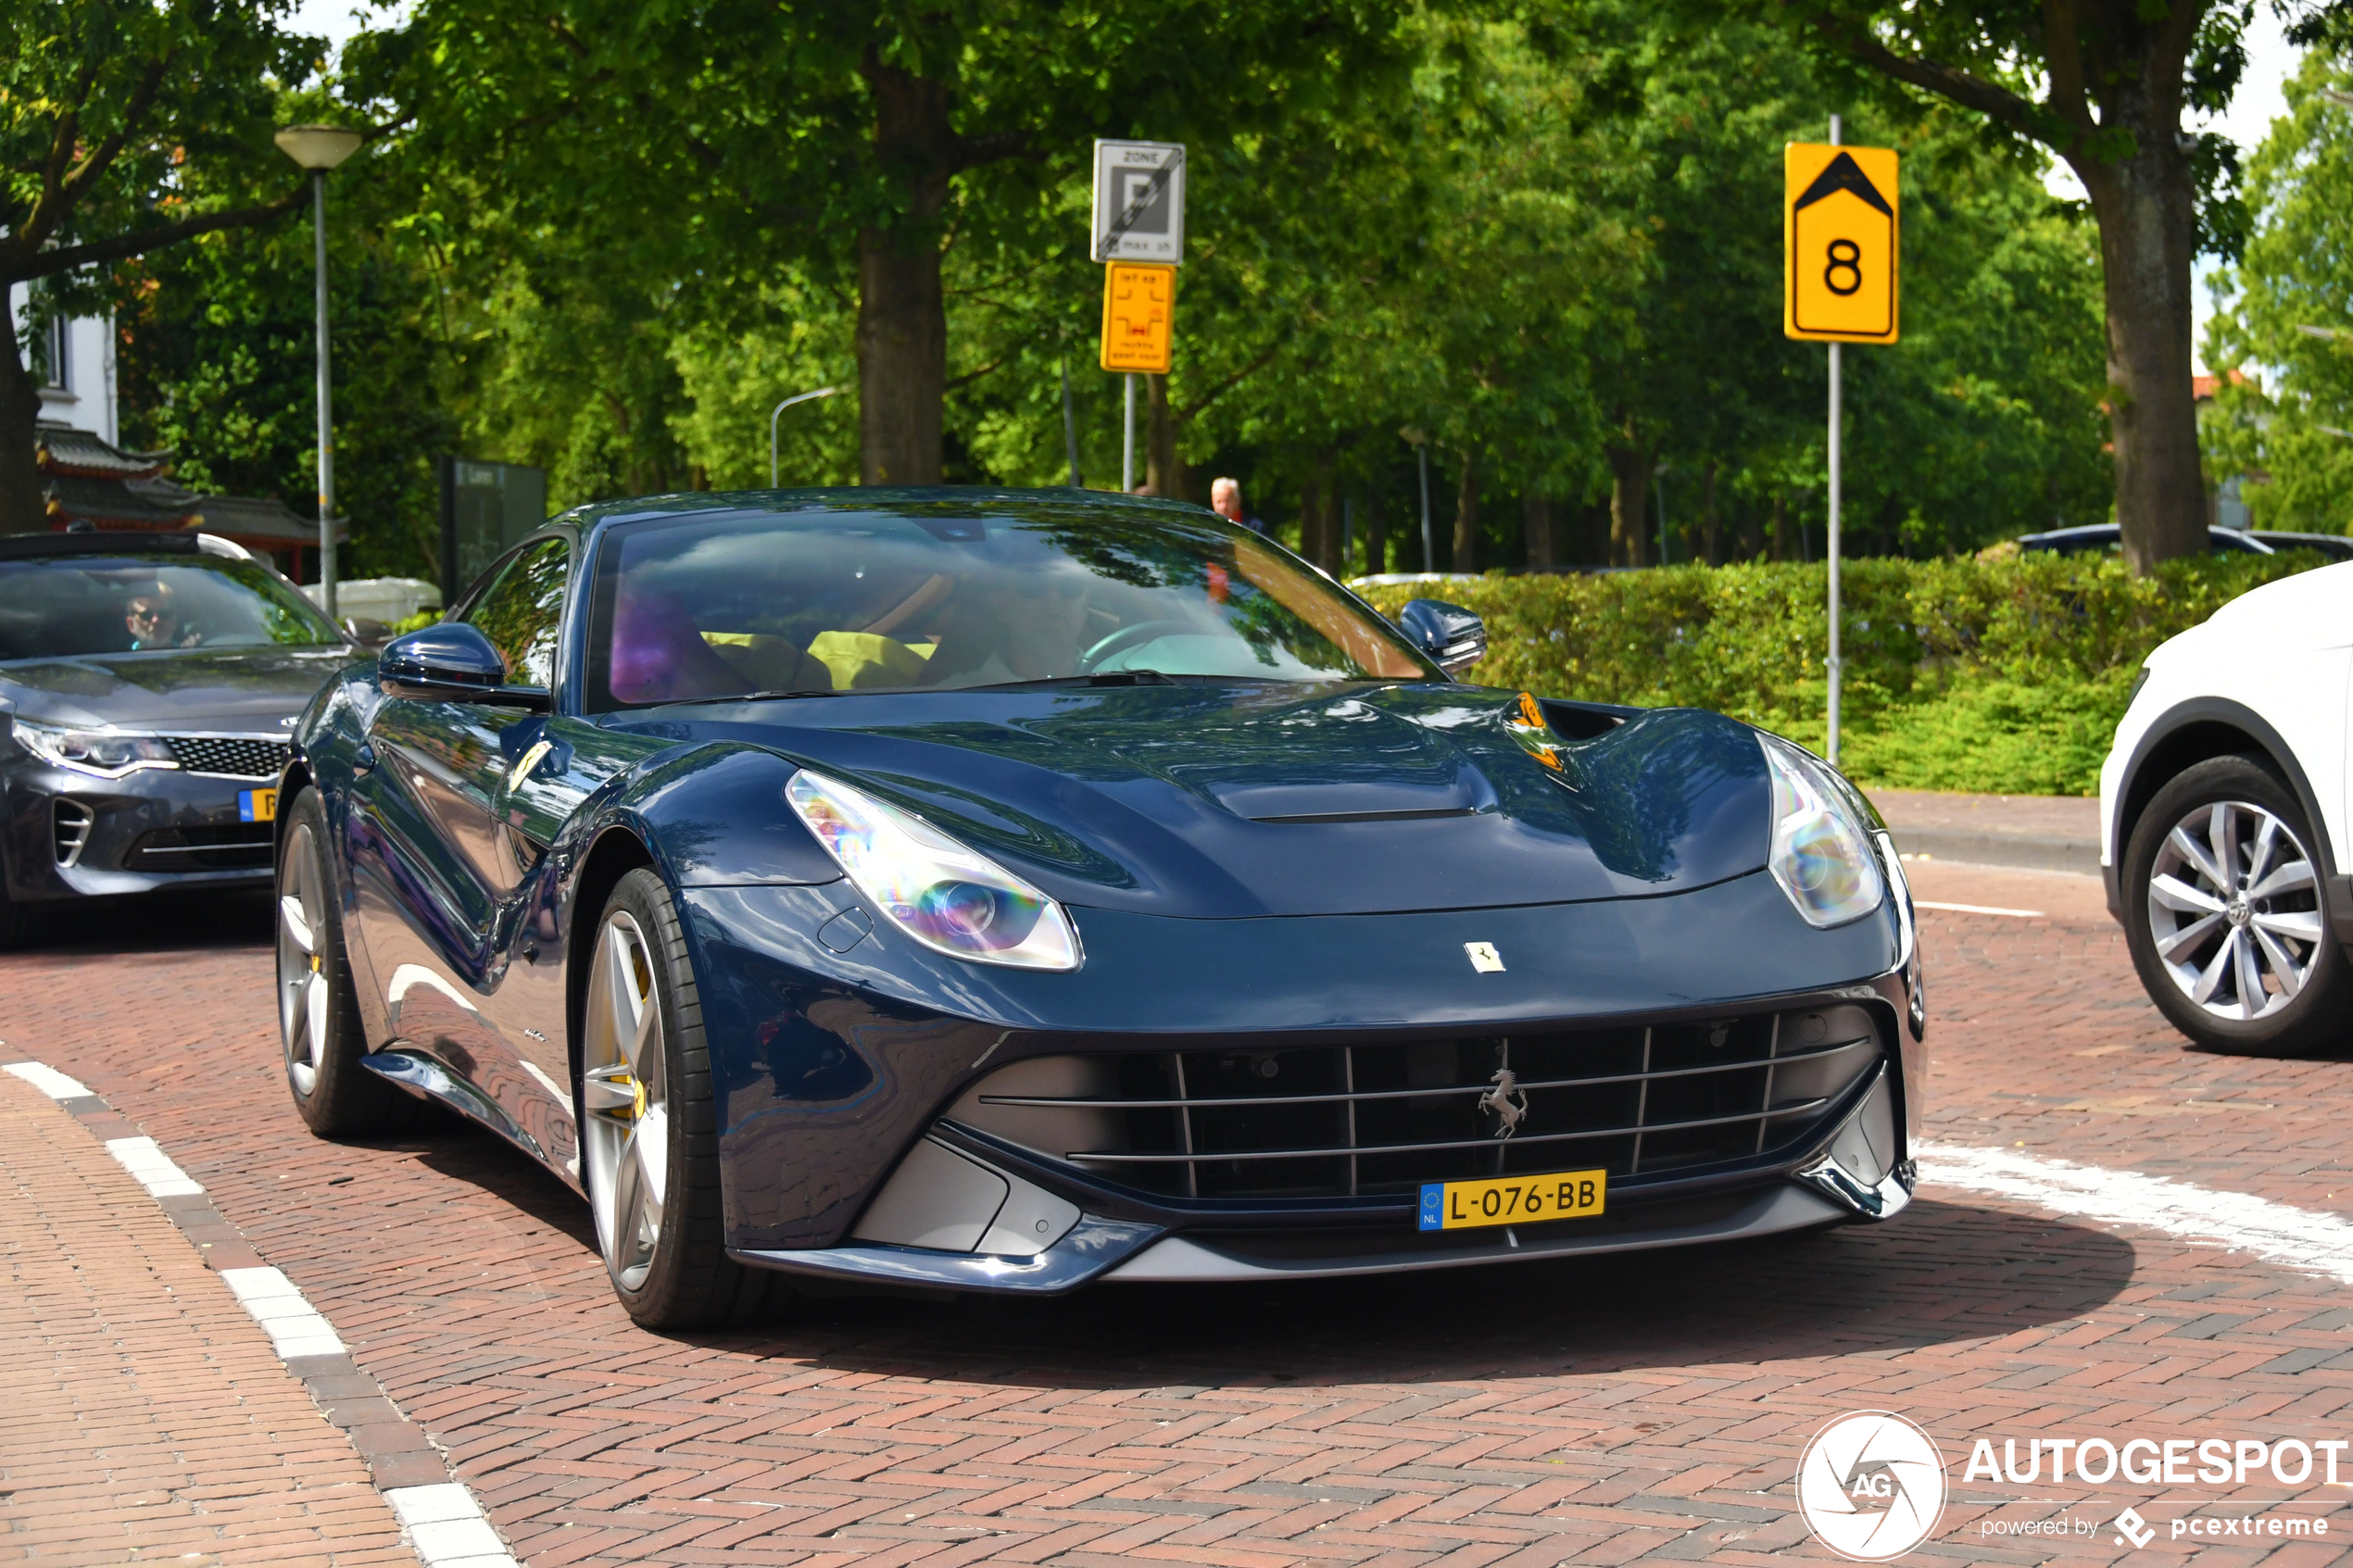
{"x":318,"y":1006}
{"x":649,"y":1125}
{"x":2226,"y":915}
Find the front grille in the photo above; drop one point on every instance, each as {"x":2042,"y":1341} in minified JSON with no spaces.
{"x":1334,"y":1121}
{"x":69,"y":824}
{"x":233,"y":846}
{"x":235,"y":757}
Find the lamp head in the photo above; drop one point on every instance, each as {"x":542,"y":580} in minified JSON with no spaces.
{"x":317,"y":146}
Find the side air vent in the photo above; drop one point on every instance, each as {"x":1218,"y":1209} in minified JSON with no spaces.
{"x":69,"y":824}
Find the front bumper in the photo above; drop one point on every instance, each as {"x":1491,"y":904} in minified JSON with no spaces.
{"x":1855,"y":1173}
{"x":856,"y":1058}
{"x":66,"y":835}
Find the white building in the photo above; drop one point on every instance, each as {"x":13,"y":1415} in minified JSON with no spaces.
{"x":76,"y":361}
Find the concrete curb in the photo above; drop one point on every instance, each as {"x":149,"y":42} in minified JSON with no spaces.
{"x":2020,"y":851}
{"x":440,"y":1515}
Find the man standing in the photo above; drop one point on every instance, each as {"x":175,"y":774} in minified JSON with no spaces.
{"x":1226,"y":500}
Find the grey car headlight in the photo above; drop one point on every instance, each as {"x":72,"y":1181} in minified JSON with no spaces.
{"x":1821,"y":851}
{"x":104,"y":754}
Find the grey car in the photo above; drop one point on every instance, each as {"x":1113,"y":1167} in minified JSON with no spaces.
{"x":149,"y":686}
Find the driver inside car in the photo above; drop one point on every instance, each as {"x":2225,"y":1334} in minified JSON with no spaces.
{"x":1031,"y":629}
{"x":155,"y":624}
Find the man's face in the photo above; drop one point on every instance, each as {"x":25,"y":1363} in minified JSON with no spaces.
{"x":151,"y":619}
{"x":1227,"y":502}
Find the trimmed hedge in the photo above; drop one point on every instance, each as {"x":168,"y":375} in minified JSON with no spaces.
{"x":2002,"y":676}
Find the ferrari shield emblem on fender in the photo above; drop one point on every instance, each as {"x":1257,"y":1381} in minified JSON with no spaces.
{"x":1484,"y":958}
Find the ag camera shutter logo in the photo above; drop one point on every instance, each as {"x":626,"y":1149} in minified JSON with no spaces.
{"x":1872,"y":1486}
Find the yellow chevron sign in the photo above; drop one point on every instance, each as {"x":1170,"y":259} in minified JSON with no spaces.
{"x":1840,"y":228}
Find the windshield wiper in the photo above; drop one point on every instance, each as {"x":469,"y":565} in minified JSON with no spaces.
{"x":746,"y":696}
{"x":1107,"y":678}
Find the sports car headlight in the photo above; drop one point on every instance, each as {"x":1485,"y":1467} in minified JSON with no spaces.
{"x":945,"y":895}
{"x":1821,"y":854}
{"x":101,"y":753}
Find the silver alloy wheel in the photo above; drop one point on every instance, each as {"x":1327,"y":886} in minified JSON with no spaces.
{"x":2234,"y":907}
{"x":302,"y":982}
{"x":625,"y":1091}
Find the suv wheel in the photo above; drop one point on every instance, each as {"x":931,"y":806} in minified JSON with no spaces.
{"x":2224,"y":914}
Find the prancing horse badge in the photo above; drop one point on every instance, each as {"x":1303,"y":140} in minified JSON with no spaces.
{"x":1484,"y":958}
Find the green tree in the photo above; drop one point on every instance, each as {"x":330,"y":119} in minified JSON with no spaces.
{"x":704,"y":143}
{"x":107,"y":107}
{"x":2290,"y":316}
{"x":2105,"y":85}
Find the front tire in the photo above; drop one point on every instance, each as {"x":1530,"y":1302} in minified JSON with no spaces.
{"x":649,"y":1125}
{"x":318,"y":1006}
{"x":2225,"y":917}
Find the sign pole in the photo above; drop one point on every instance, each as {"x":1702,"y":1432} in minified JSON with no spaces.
{"x":1421,"y":451}
{"x":1127,"y":445}
{"x":1831,"y":752}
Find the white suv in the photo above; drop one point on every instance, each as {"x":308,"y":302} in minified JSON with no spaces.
{"x":2224,"y":828}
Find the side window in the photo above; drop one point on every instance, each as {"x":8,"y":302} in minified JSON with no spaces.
{"x":520,"y":611}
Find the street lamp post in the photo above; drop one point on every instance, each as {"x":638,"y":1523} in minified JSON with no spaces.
{"x":319,"y":148}
{"x":777,"y":411}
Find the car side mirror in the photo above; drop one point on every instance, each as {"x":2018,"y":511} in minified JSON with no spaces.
{"x":450,"y":661}
{"x":1453,"y":636}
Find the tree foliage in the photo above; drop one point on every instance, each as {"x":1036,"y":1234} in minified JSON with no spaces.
{"x":2283,"y":423}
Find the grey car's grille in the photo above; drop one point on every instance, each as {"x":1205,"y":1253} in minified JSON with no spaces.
{"x":1331,"y":1121}
{"x":235,"y":757}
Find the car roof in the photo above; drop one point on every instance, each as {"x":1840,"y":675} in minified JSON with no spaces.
{"x":27,"y":547}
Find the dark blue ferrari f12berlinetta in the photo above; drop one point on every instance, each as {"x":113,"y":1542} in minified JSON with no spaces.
{"x":1003,"y":891}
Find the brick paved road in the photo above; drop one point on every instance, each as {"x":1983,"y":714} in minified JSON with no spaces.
{"x":1594,"y":1412}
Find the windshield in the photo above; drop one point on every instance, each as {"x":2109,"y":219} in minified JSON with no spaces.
{"x":941,"y":599}
{"x":65,"y":607}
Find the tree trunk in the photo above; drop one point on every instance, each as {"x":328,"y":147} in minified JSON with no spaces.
{"x":1163,"y":469}
{"x":1752,"y":541}
{"x":1711,"y":526}
{"x":1536,"y":530}
{"x":1781,"y":528}
{"x":1375,"y":536}
{"x":1326,"y":510}
{"x":22,"y":508}
{"x":1467,"y":517}
{"x":2146,"y":207}
{"x":902,"y":320}
{"x":1596,"y":515}
{"x":1630,"y":469}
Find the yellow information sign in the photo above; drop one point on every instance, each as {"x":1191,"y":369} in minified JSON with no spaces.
{"x":1140,"y":316}
{"x":1840,"y":234}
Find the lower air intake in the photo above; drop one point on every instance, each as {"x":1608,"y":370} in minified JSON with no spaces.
{"x":1333,"y":1121}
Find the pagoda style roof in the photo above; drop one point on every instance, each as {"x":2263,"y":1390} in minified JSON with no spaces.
{"x":63,"y":450}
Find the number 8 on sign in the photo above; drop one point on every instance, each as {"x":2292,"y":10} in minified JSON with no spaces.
{"x":1838,"y":244}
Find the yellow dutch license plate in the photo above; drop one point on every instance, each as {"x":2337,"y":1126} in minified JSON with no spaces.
{"x":1513,"y":1200}
{"x":257,"y":805}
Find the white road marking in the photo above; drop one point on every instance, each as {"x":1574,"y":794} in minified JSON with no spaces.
{"x":2277,"y":1233}
{"x":446,"y":1526}
{"x":146,"y":1161}
{"x":1976,"y":910}
{"x":278,"y":1305}
{"x":48,"y":1080}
